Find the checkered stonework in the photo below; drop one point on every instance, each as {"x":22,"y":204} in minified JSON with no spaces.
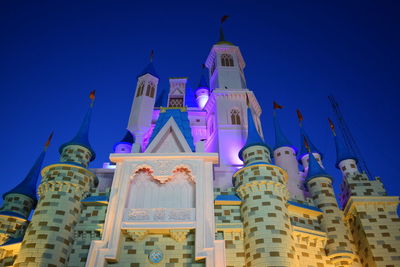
{"x":76,"y":154}
{"x":49,"y":236}
{"x":338,"y":245}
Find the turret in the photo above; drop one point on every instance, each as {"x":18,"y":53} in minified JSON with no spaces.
{"x":338,"y":246}
{"x":285,"y":157}
{"x":262,"y":188}
{"x":125,"y":145}
{"x":346,"y":162}
{"x":202,"y":92}
{"x":51,"y":230}
{"x":143,"y":104}
{"x":303,"y":154}
{"x":20,"y":201}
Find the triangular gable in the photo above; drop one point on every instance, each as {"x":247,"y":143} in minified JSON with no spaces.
{"x":169,"y":140}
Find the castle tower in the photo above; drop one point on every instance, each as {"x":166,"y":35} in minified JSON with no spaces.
{"x":370,"y":214}
{"x":338,"y":245}
{"x":125,"y":145}
{"x":177,"y":92}
{"x":262,"y":189}
{"x":285,"y":157}
{"x":19,"y":202}
{"x":143,"y":104}
{"x":48,"y":239}
{"x":303,"y":155}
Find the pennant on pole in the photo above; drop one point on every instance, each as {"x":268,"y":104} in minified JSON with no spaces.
{"x":306,"y":144}
{"x":224,"y":18}
{"x":299,"y":115}
{"x":332,"y":126}
{"x":48,"y":140}
{"x":277,"y":106}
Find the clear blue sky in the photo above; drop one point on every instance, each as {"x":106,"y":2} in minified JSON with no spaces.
{"x":53,"y":53}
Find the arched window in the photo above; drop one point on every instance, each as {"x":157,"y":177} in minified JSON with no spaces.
{"x":140,"y":89}
{"x":235,"y":116}
{"x":150,"y":89}
{"x":226,"y":60}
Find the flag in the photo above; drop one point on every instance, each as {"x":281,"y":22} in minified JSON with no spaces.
{"x":277,"y":106}
{"x":92,"y":95}
{"x":151,"y":55}
{"x":306,"y":144}
{"x":224,"y":18}
{"x":49,"y":140}
{"x":331,"y":125}
{"x":299,"y":115}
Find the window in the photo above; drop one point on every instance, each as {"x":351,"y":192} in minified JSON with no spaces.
{"x":140,"y":89}
{"x":226,"y":60}
{"x":150,"y":89}
{"x":235,"y":117}
{"x":175,"y":102}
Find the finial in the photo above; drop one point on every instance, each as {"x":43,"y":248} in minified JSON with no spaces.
{"x":221,"y":31}
{"x":300,"y":117}
{"x":332,"y":126}
{"x":307,"y":145}
{"x":46,"y":145}
{"x":92,"y":96}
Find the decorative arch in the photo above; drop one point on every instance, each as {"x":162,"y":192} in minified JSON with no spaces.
{"x":150,"y":89}
{"x":140,"y":89}
{"x":227,"y":60}
{"x":235,"y":116}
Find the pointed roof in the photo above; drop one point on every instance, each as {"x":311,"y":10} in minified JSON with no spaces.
{"x":149,"y":69}
{"x":253,"y":138}
{"x":181,"y":119}
{"x":128,"y":139}
{"x":161,"y":98}
{"x":203,"y":82}
{"x":303,"y":150}
{"x":280,"y":138}
{"x":314,"y":169}
{"x":342,"y":151}
{"x":28,"y":186}
{"x":82,"y":137}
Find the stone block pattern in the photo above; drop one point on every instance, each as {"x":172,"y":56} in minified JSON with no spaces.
{"x":49,"y":237}
{"x":376,"y":232}
{"x":7,"y":257}
{"x":11,"y":227}
{"x":18,"y":203}
{"x":76,"y":154}
{"x":135,"y":253}
{"x":267,"y":230}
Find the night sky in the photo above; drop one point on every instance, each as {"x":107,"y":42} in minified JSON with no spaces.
{"x":53,"y":53}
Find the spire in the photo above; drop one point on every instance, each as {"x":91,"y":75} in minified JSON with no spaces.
{"x":203,"y":82}
{"x":314,"y":169}
{"x":149,"y":69}
{"x":128,"y":139}
{"x":221,"y":32}
{"x":82,"y":137}
{"x":28,"y":186}
{"x":253,"y":138}
{"x":342,"y":151}
{"x":303,"y":149}
{"x":280,"y":139}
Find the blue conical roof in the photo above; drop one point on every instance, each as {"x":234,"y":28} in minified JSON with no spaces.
{"x":128,"y":139}
{"x":314,"y":169}
{"x":149,"y":69}
{"x":203,"y":82}
{"x":162,"y":98}
{"x":28,"y":186}
{"x":303,"y":150}
{"x":281,"y":139}
{"x":82,"y":137}
{"x":342,"y":151}
{"x":253,"y":138}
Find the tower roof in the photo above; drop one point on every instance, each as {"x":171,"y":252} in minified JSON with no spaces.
{"x":303,"y":150}
{"x":149,"y":69}
{"x":280,"y":138}
{"x":314,"y":169}
{"x":203,"y":82}
{"x":222,"y":37}
{"x":82,"y":137}
{"x":253,"y":138}
{"x":28,"y":186}
{"x":342,"y":151}
{"x":128,"y":139}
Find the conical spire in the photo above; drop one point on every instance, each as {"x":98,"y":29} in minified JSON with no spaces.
{"x":128,"y":139}
{"x":149,"y":69}
{"x":303,"y":149}
{"x":280,"y":139}
{"x":253,"y":138}
{"x":342,"y":151}
{"x":314,"y":169}
{"x":28,"y":186}
{"x":162,"y":98}
{"x":203,"y":82}
{"x":82,"y":137}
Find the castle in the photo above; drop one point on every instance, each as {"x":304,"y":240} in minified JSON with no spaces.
{"x":194,"y":183}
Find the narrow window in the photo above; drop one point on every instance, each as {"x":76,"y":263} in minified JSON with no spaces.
{"x":150,"y":89}
{"x":226,"y":60}
{"x":140,"y":89}
{"x":235,"y":117}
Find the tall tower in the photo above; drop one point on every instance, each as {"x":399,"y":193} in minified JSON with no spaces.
{"x":143,"y":104}
{"x":262,"y":189}
{"x":226,"y":109}
{"x":338,"y":246}
{"x":19,"y":202}
{"x":48,"y":239}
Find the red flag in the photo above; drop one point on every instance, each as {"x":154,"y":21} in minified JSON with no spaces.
{"x":277,"y":106}
{"x":224,"y":18}
{"x":49,"y":140}
{"x":92,"y":94}
{"x":332,"y":126}
{"x":299,"y":115}
{"x":306,"y":144}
